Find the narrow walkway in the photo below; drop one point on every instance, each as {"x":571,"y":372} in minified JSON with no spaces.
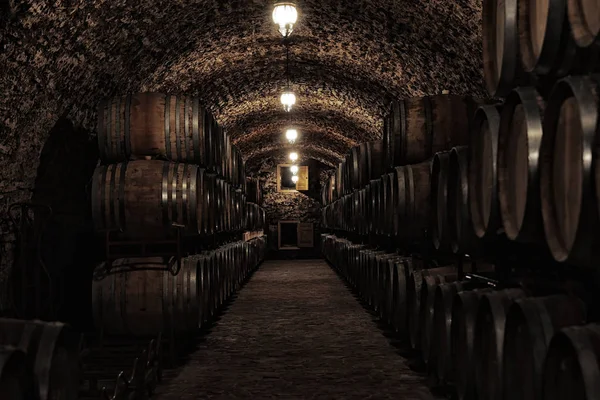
{"x":295,"y":331}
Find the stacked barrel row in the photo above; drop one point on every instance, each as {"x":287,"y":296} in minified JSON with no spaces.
{"x":38,"y":360}
{"x":536,"y":42}
{"x":387,"y":191}
{"x":174,"y":128}
{"x":477,"y":341}
{"x":170,"y":166}
{"x":144,"y":297}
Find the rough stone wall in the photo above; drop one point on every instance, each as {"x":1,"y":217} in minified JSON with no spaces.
{"x":295,"y":206}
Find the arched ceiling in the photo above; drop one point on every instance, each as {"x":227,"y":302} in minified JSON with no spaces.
{"x":348,"y":59}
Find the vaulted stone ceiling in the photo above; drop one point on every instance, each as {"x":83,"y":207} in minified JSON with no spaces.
{"x":348,"y":59}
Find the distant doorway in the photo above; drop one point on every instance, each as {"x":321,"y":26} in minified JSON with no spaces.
{"x":294,"y":235}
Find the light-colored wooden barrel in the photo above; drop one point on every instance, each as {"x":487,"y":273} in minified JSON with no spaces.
{"x":147,"y":302}
{"x":154,"y":124}
{"x":568,"y":182}
{"x":584,"y":16}
{"x":502,"y":68}
{"x":146,"y":198}
{"x":519,"y":141}
{"x":483,"y":188}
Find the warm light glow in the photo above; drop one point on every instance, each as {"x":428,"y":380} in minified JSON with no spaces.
{"x":295,"y":178}
{"x":294,"y":169}
{"x":291,"y":135}
{"x":293,"y":156}
{"x":288,"y":99}
{"x":285,"y":15}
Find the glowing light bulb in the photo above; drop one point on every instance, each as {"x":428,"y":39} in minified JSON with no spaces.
{"x":294,"y":169}
{"x":295,"y":178}
{"x":288,"y":99}
{"x":293,"y":156}
{"x":291,"y":135}
{"x":285,"y":15}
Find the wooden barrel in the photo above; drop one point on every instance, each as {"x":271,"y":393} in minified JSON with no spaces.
{"x":374,"y":203}
{"x":483,"y":193}
{"x":413,"y":201}
{"x":387,"y":137}
{"x":154,"y":124}
{"x":572,"y":369}
{"x":254,"y":191}
{"x":389,"y":189}
{"x":146,"y":301}
{"x":374,"y":151}
{"x":15,"y":376}
{"x":440,"y":360}
{"x":569,"y":190}
{"x":400,"y":275}
{"x":51,"y":355}
{"x":429,"y":286}
{"x":462,"y":327}
{"x":462,"y":237}
{"x":501,"y":63}
{"x":530,"y":325}
{"x":585,"y":21}
{"x":421,"y":127}
{"x":146,"y":198}
{"x":440,"y":233}
{"x":415,"y":284}
{"x":489,"y":341}
{"x":519,"y":141}
{"x":339,"y":185}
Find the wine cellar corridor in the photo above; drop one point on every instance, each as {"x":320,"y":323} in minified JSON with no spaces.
{"x":295,"y":331}
{"x":300,"y":199}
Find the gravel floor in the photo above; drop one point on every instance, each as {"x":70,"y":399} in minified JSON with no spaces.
{"x":294,"y":331}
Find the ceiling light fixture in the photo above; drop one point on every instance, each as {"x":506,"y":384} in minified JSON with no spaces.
{"x":293,"y":156}
{"x":294,"y":169}
{"x":285,"y":15}
{"x":288,"y":99}
{"x":291,"y":135}
{"x":295,"y":178}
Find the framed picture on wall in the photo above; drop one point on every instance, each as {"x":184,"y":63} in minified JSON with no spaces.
{"x":284,"y":178}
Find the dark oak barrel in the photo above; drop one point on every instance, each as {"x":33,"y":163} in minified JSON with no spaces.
{"x":413,"y":201}
{"x":572,"y":367}
{"x":462,"y":236}
{"x":519,"y":141}
{"x":154,"y":124}
{"x":489,"y":341}
{"x":501,"y":61}
{"x":415,"y":283}
{"x":146,"y":198}
{"x":389,"y":191}
{"x":440,"y":233}
{"x":530,"y":325}
{"x":52,"y":356}
{"x":144,"y":302}
{"x":584,"y":16}
{"x":440,"y":360}
{"x":15,"y":376}
{"x":421,"y":127}
{"x":254,"y":191}
{"x":568,"y":181}
{"x":483,"y":193}
{"x":429,"y":286}
{"x":462,"y":327}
